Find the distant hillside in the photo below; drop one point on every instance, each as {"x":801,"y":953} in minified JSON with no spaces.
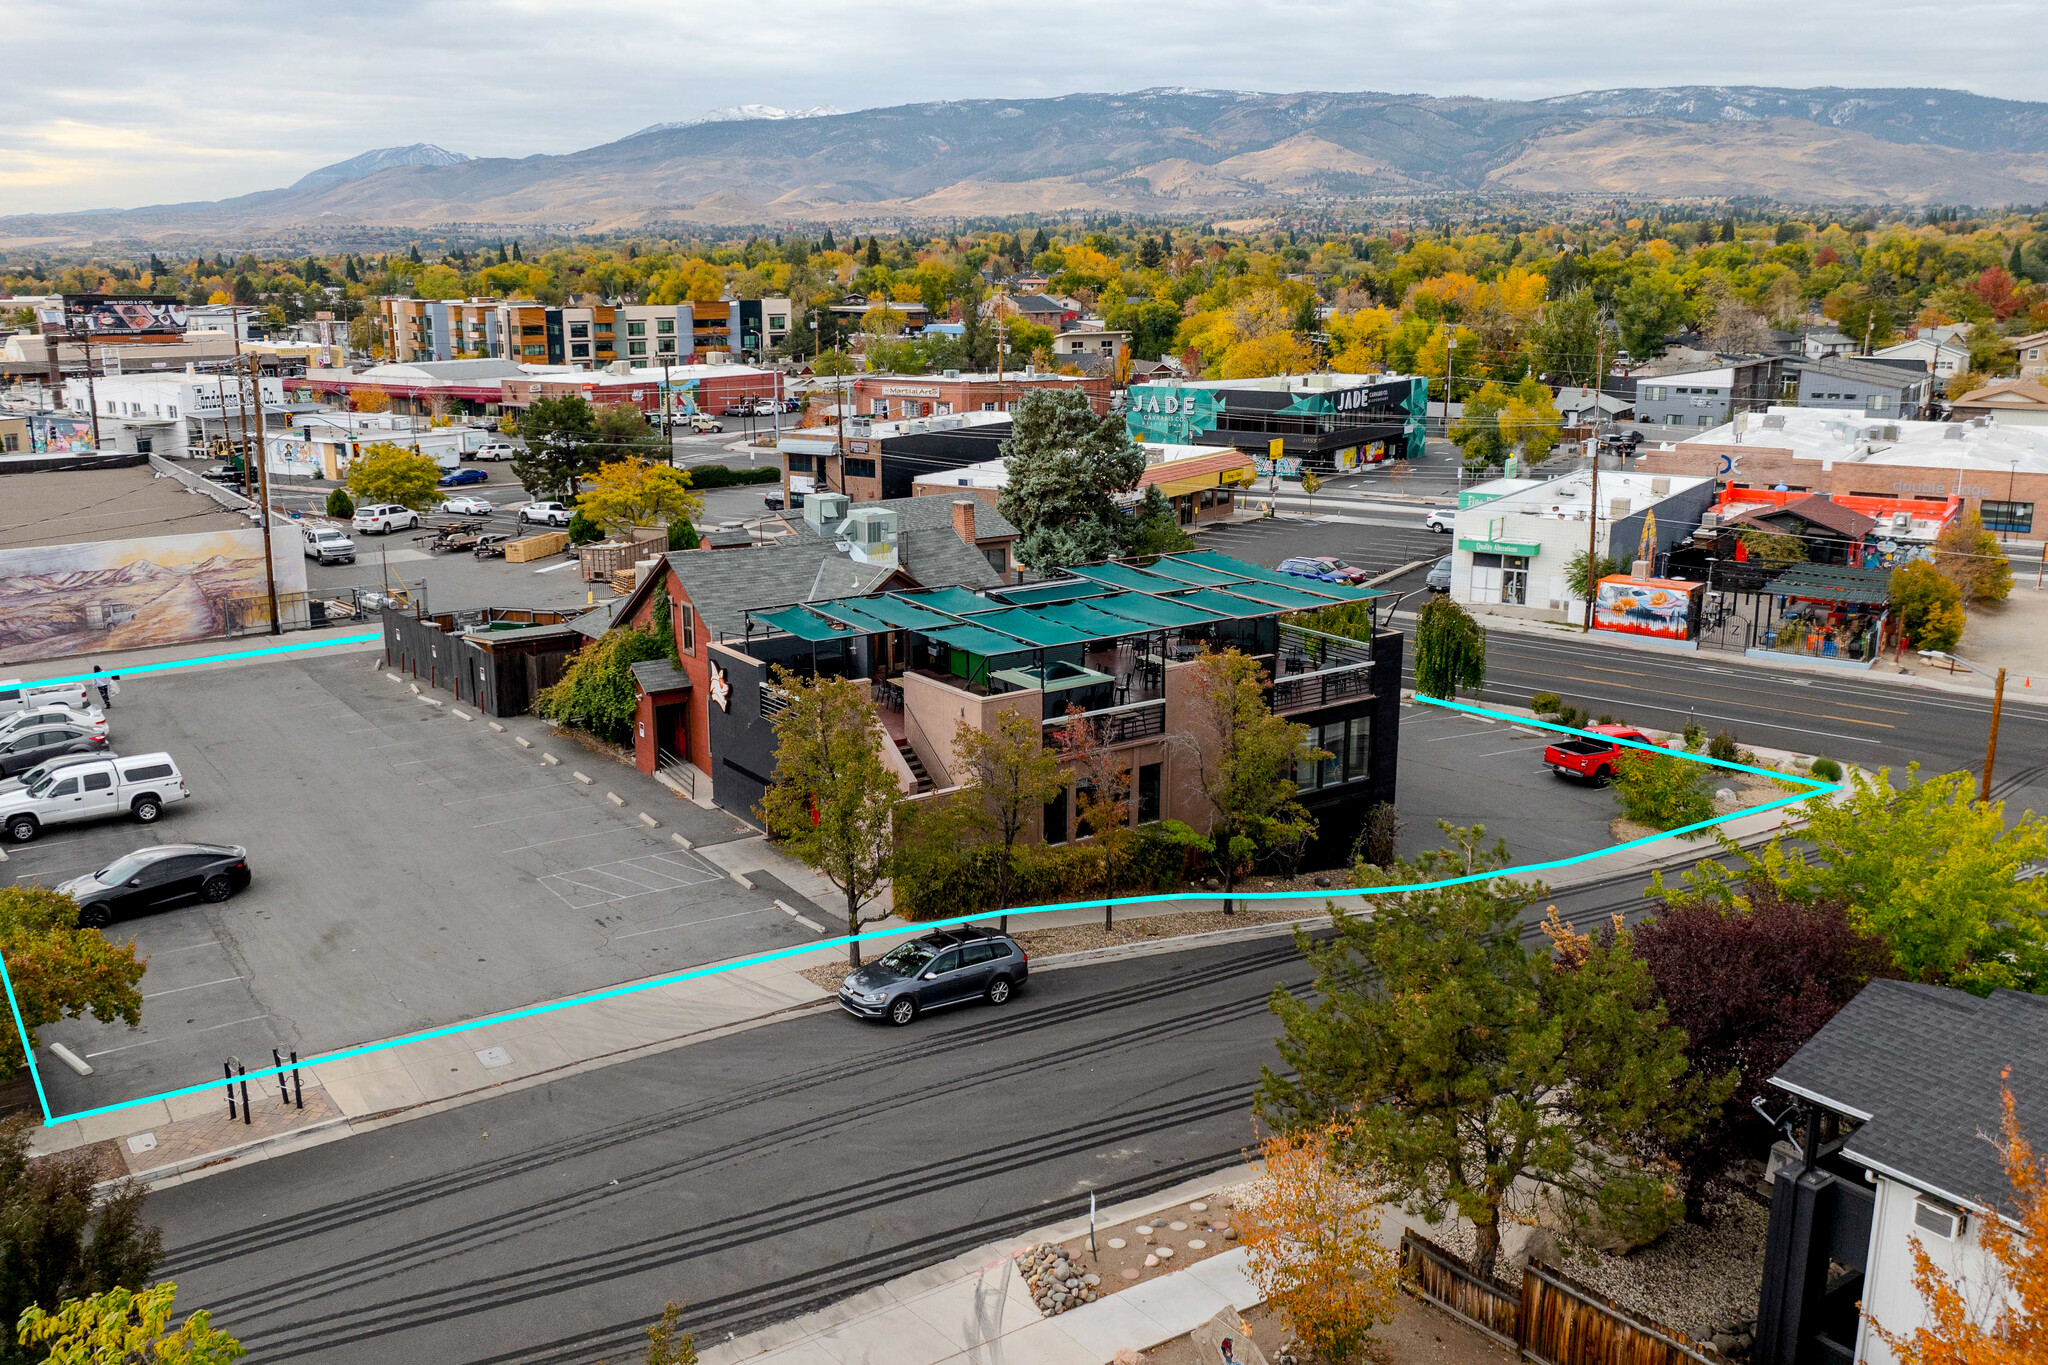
{"x":383,"y":159}
{"x":1163,"y":151}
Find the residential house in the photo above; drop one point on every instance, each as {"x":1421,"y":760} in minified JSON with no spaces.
{"x":1897,"y":1105}
{"x":1705,"y":396}
{"x":2022,"y":402}
{"x":1863,"y":386}
{"x":1200,"y":482}
{"x":1941,"y":357}
{"x":1580,"y":406}
{"x":1824,"y":342}
{"x":1093,"y":348}
{"x":2033,"y":353}
{"x":932,"y":531}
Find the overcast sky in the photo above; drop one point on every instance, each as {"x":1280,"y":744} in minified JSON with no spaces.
{"x":119,"y":103}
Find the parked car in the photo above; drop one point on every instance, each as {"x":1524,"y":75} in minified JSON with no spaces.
{"x":945,"y":967}
{"x":701,"y":422}
{"x":544,"y":514}
{"x":468,"y":506}
{"x":1442,"y":520}
{"x":382,"y":518}
{"x":460,"y":478}
{"x":220,"y":473}
{"x":792,"y":405}
{"x":328,"y":545}
{"x":141,"y":786}
{"x":494,"y":451}
{"x":1322,"y":568}
{"x":737,"y":410}
{"x":24,"y":749}
{"x":1594,"y":760}
{"x":35,"y":774}
{"x":1438,"y":579}
{"x":16,"y":694}
{"x":53,"y":713}
{"x":775,"y":503}
{"x":159,"y":876}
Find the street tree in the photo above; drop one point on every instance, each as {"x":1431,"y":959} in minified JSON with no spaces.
{"x":1476,"y":1067}
{"x":1565,"y":336}
{"x":1102,"y":792}
{"x":1066,"y":467}
{"x":1531,"y":420}
{"x":1969,"y":556}
{"x":561,"y":446}
{"x":1450,"y":649}
{"x":1477,"y":432}
{"x":123,"y":1327}
{"x":1245,"y":759}
{"x":60,"y":1239}
{"x":625,"y":493}
{"x":833,"y":803}
{"x":2002,"y":1317}
{"x":1311,"y":1230}
{"x":1749,"y":982}
{"x":1929,"y":604}
{"x":623,"y":434}
{"x":60,"y":971}
{"x":1009,"y":775}
{"x":384,"y":472}
{"x":1576,"y":581}
{"x":1939,"y":875}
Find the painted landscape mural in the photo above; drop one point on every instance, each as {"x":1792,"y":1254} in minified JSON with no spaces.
{"x":59,"y":600}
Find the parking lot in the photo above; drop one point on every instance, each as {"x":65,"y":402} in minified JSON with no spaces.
{"x":1473,"y":771}
{"x":1379,"y":545}
{"x":410,"y":870}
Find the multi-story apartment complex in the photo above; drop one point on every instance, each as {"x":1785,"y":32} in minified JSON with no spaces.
{"x":590,"y":336}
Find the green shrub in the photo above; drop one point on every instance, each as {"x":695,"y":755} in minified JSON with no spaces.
{"x":1826,"y":769}
{"x":1570,"y":715}
{"x":1722,"y":747}
{"x":719,"y":476}
{"x":596,"y":692}
{"x":1662,"y":791}
{"x":1545,"y":703}
{"x":682,"y":535}
{"x":340,"y":505}
{"x":582,"y":530}
{"x":1606,"y":719}
{"x":1695,"y":735}
{"x":938,"y":879}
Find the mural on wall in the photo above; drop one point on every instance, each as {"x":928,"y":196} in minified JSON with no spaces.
{"x":1658,"y":607}
{"x":59,"y":600}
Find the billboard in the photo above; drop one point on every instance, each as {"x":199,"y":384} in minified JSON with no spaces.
{"x":104,"y":315}
{"x":1658,"y":607}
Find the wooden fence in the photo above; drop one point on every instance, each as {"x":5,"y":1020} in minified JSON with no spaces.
{"x":1550,"y":1320}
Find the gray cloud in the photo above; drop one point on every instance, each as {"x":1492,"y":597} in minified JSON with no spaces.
{"x":170,"y":106}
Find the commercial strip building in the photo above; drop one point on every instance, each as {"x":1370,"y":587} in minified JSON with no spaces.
{"x":886,"y":397}
{"x":1709,"y":395}
{"x":1116,"y":641}
{"x":1325,"y":422}
{"x":1200,"y":482}
{"x":1999,"y":469}
{"x":489,"y":387}
{"x":178,"y":413}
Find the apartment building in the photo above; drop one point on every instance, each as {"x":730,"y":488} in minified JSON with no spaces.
{"x":528,"y":333}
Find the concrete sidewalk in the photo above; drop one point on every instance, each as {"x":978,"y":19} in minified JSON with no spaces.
{"x":975,"y":1309}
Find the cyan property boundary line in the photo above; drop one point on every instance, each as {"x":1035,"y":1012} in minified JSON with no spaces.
{"x":1814,"y":787}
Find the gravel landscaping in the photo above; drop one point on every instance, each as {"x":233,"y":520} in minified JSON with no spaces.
{"x":1066,"y":1275}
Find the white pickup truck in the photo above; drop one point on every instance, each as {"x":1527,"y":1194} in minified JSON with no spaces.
{"x":139,"y":785}
{"x":16,"y":694}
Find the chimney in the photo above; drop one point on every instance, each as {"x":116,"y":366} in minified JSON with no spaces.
{"x":963,"y":518}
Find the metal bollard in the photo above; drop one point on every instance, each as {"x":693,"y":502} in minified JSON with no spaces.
{"x":284,"y":1094}
{"x":228,"y":1068}
{"x":244,"y":1072}
{"x":298,"y":1091}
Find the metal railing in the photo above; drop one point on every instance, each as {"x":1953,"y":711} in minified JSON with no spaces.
{"x":1308,"y":691}
{"x":1115,"y":724}
{"x":774,"y":701}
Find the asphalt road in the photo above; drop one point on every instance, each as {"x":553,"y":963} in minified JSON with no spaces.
{"x":752,"y":1178}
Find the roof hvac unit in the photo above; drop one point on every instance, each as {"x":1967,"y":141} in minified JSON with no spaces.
{"x":824,"y":509}
{"x":1954,"y":433}
{"x":1660,"y":486}
{"x":1617,"y":508}
{"x":1939,"y":1219}
{"x":1709,"y":520}
{"x":869,"y":526}
{"x":1774,"y":421}
{"x":1902,"y":520}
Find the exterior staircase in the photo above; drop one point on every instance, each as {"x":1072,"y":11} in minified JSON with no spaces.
{"x":924,"y":779}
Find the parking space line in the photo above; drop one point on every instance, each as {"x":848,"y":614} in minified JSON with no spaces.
{"x":151,"y":1042}
{"x":200,"y":987}
{"x":572,"y":838}
{"x":1468,"y":734}
{"x":1518,"y":749}
{"x":536,"y":815}
{"x":509,"y":791}
{"x":685,"y":924}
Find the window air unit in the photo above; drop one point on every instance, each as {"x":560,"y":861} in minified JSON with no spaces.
{"x":1938,"y":1219}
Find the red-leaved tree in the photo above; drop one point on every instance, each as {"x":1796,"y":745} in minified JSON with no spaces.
{"x":1749,"y":984}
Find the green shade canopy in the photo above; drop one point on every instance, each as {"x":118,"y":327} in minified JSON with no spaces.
{"x":1227,"y":604}
{"x":1154,"y":611}
{"x":1281,"y":595}
{"x":855,"y":616}
{"x":1834,"y":583}
{"x":1181,"y":571}
{"x":897,"y":612}
{"x":976,"y":640}
{"x":1034,"y":627}
{"x":802,"y":624}
{"x":1083,"y":616}
{"x":1124,"y":576}
{"x":1049,"y":592}
{"x":958,"y":601}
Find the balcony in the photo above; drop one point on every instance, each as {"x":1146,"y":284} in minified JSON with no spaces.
{"x":1113,"y":725}
{"x":1327,"y":687}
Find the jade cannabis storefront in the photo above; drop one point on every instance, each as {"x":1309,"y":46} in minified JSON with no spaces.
{"x":1330,"y":423}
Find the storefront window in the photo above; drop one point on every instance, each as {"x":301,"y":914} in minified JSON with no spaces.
{"x":1148,"y":793}
{"x":1056,"y":819}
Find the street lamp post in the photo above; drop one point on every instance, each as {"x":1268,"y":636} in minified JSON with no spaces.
{"x":1997,"y":705}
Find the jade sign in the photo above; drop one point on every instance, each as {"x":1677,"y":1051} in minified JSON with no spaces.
{"x":1168,"y":413}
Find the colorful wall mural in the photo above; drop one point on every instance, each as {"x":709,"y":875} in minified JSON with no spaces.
{"x":60,"y":600}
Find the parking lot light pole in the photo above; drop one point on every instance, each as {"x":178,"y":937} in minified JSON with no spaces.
{"x":1997,"y":705}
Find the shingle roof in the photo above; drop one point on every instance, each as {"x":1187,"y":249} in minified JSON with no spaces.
{"x":931,"y":512}
{"x":722,"y":584}
{"x":2006,"y":393}
{"x":1819,"y":509}
{"x":659,"y":675}
{"x":1921,"y":1066}
{"x":1863,"y":372}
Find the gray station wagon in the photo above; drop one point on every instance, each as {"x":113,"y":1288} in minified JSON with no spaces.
{"x":945,"y":967}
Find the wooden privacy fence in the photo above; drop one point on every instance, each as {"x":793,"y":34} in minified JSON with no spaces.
{"x":1550,"y":1320}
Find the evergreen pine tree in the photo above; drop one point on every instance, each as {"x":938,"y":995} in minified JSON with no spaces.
{"x":874,"y":256}
{"x":826,"y":243}
{"x":1040,"y":244}
{"x":413,"y":254}
{"x":349,"y":273}
{"x":515,"y":250}
{"x":2016,"y":266}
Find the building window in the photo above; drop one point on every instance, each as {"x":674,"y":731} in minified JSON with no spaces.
{"x":1056,"y":819}
{"x":636,"y":329}
{"x":664,"y":326}
{"x":1655,"y":393}
{"x":778,"y":322}
{"x":666,"y":346}
{"x":686,"y":626}
{"x":636,"y":348}
{"x":533,"y":350}
{"x":579,"y":329}
{"x":531,"y":330}
{"x":860,"y":469}
{"x":878,"y":407}
{"x":998,"y":558}
{"x":603,"y":327}
{"x":2007,"y":516}
{"x":799,"y":464}
{"x":1148,"y":793}
{"x":988,"y":407}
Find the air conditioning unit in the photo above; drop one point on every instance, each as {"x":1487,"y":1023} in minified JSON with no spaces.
{"x":1617,"y":508}
{"x":1660,"y":486}
{"x":1709,"y":520}
{"x":1939,"y":1220}
{"x":825,"y":509}
{"x":1902,"y":521}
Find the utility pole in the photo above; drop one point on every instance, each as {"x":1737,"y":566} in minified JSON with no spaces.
{"x":668,"y":435}
{"x":1450,"y":356}
{"x":1991,"y":746}
{"x":1593,"y":488}
{"x":92,"y":397}
{"x":263,"y":483}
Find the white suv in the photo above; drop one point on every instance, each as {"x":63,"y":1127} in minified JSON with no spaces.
{"x":544,"y":514}
{"x":494,"y":450}
{"x":328,"y":545}
{"x":382,"y":518}
{"x":1441,"y":520}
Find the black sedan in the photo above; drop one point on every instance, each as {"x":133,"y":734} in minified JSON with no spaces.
{"x":25,"y":749}
{"x":157,"y":877}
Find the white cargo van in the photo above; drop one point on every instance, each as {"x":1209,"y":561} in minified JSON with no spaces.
{"x":140,"y":785}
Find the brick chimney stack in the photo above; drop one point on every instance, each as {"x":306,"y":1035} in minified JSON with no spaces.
{"x":963,"y":519}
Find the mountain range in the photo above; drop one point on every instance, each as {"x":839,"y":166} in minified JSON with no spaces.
{"x":1180,"y":152}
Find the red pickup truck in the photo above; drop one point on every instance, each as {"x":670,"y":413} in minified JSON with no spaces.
{"x":1593,"y":759}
